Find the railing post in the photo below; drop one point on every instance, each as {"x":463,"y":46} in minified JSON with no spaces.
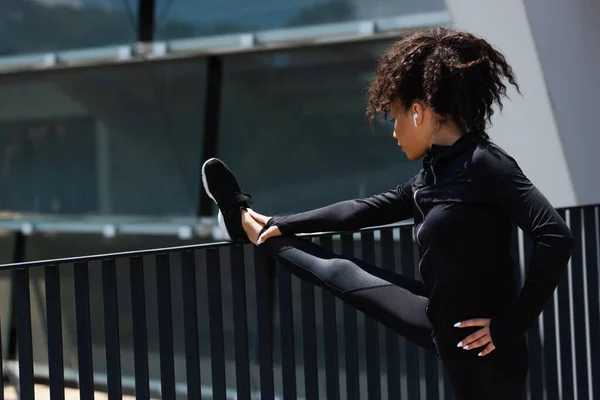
{"x":215,"y":314}
{"x":111,"y":328}
{"x":351,"y":333}
{"x":265,"y":302}
{"x":55,"y":342}
{"x":84,"y":330}
{"x":190,"y":315}
{"x":165,"y":327}
{"x":140,"y":335}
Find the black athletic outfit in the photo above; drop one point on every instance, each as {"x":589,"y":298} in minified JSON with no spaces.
{"x":464,"y":203}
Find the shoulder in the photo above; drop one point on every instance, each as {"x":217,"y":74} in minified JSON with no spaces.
{"x":492,"y":165}
{"x":488,"y":157}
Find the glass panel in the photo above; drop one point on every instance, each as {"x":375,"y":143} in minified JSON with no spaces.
{"x":187,"y":18}
{"x":294,"y":130}
{"x":29,"y":26}
{"x":117,"y":140}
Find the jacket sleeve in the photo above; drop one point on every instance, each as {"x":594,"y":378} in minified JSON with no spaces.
{"x":500,"y":177}
{"x":381,"y":209}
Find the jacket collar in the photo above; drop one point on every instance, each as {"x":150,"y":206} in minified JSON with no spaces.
{"x":438,"y":153}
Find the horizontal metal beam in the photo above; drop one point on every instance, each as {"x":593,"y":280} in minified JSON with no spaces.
{"x":178,"y":248}
{"x":276,"y":39}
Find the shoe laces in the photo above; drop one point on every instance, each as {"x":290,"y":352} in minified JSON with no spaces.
{"x":243,"y":198}
{"x":237,"y":200}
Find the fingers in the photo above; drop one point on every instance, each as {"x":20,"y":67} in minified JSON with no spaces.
{"x":472,"y":340}
{"x":490,"y":347}
{"x":258,"y":217}
{"x":473,"y":322}
{"x":486,"y":339}
{"x":266,"y":235}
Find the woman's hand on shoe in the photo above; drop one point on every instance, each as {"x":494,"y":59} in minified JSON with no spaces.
{"x":269,"y":233}
{"x":477,"y":339}
{"x":262,"y":219}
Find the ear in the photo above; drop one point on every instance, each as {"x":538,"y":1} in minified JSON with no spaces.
{"x":417,"y":111}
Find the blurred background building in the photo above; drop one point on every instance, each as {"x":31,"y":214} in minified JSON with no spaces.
{"x":108,"y":109}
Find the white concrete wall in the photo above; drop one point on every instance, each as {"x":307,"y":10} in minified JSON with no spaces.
{"x":567,"y":37}
{"x":527,"y":128}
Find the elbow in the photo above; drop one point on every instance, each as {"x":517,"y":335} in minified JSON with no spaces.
{"x":568,"y":242}
{"x":564,"y":242}
{"x":560,"y":241}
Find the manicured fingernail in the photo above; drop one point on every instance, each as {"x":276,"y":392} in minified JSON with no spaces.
{"x":480,"y":354}
{"x":459,"y":344}
{"x":456,"y":325}
{"x":466,"y":347}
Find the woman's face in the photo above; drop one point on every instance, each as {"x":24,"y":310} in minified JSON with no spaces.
{"x":412,"y":140}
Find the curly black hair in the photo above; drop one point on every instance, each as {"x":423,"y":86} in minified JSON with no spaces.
{"x":457,"y":74}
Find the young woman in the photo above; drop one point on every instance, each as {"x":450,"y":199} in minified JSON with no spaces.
{"x":439,"y":86}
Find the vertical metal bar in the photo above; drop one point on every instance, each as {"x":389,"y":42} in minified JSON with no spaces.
{"x":24,"y":341}
{"x":309,"y":334}
{"x":536,"y":366}
{"x":111,"y":329}
{"x":549,"y":349}
{"x":18,"y":256}
{"x":55,"y":343}
{"x":215,"y":315}
{"x":432,"y":380}
{"x":579,"y":303}
{"x":165,"y":326}
{"x":332,"y":371}
{"x":146,"y":21}
{"x":190,"y":318}
{"x":411,"y":359}
{"x":564,"y":330}
{"x":288,"y":359}
{"x":140,"y":335}
{"x":212,"y":117}
{"x":371,"y":327}
{"x":391,"y":337}
{"x":448,"y":390}
{"x":264,"y":267}
{"x":592,"y":253}
{"x":84,"y":330}
{"x":350,"y":333}
{"x":240,"y":323}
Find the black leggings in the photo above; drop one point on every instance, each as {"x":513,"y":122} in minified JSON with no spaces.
{"x":399,"y":302}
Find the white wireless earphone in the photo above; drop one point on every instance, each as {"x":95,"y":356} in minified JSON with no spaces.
{"x":415,"y":118}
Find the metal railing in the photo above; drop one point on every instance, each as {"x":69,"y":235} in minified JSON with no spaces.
{"x":222,"y":321}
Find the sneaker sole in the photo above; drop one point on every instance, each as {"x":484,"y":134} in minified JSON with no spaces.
{"x":220,"y":219}
{"x":204,"y":183}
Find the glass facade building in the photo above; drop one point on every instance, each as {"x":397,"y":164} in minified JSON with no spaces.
{"x":94,"y":139}
{"x":102,"y":137}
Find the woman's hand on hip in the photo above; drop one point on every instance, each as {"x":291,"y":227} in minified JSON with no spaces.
{"x":477,"y":339}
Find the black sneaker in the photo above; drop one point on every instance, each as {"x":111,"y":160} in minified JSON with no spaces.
{"x":222,"y":187}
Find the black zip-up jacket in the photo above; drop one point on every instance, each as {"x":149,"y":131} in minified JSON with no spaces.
{"x":464,"y":202}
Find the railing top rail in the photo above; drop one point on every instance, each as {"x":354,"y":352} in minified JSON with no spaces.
{"x":93,"y":257}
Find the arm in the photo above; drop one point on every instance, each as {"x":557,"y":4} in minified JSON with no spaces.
{"x":501,"y":178}
{"x":385,"y":208}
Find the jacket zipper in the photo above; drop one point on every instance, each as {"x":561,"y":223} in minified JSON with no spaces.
{"x":419,"y":230}
{"x":422,"y":219}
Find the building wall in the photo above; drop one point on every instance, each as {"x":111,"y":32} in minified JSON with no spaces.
{"x":552,"y":129}
{"x":567,"y":37}
{"x":526,"y":128}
